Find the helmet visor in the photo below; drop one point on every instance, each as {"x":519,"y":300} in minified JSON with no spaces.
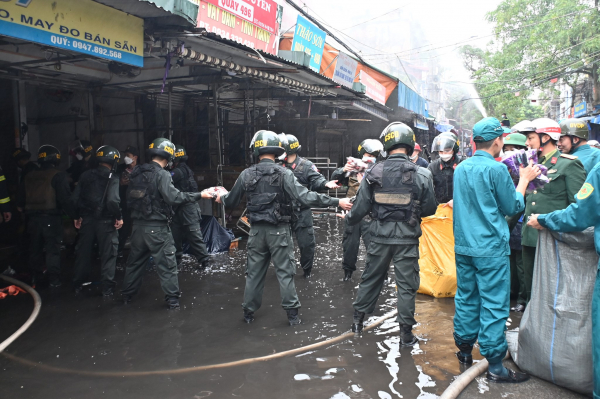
{"x":443,"y":143}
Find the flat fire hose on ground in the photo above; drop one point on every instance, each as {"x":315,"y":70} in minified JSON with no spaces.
{"x":36,"y":310}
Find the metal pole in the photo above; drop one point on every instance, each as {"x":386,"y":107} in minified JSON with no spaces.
{"x":219,"y":143}
{"x":170,"y":112}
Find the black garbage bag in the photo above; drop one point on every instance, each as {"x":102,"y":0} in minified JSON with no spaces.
{"x":217,"y":238}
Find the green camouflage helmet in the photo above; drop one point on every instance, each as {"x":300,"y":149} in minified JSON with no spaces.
{"x":48,"y":153}
{"x":396,"y":134}
{"x":180,"y":153}
{"x":517,"y":139}
{"x":163,"y":148}
{"x":267,"y":142}
{"x":370,"y":146}
{"x":108,"y":154}
{"x":293,"y":145}
{"x":575,"y":127}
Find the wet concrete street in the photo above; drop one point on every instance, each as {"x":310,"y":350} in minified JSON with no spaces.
{"x":87,"y":347}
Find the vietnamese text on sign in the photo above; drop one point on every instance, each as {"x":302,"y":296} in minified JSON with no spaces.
{"x":310,"y":40}
{"x":345,"y":70}
{"x":262,"y":13}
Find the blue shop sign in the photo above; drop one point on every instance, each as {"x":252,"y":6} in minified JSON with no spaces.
{"x":310,"y":40}
{"x":580,"y":109}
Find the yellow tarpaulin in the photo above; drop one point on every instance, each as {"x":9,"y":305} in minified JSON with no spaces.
{"x":436,"y":248}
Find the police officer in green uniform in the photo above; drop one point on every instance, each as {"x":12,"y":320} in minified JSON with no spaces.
{"x":368,"y":151}
{"x":150,"y":197}
{"x":98,"y":217}
{"x":186,"y":222}
{"x":577,"y":217}
{"x":574,"y":135}
{"x":442,"y":168}
{"x":270,"y":190}
{"x":308,"y":176}
{"x":45,"y":196}
{"x":397,"y":193}
{"x":566,"y":175}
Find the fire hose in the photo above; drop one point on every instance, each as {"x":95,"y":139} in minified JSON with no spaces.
{"x":36,"y":311}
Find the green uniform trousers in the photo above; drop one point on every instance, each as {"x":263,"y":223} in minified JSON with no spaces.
{"x":193,"y":235}
{"x":305,"y":234}
{"x":596,"y":335}
{"x":45,"y":232}
{"x":104,"y":231}
{"x":528,"y":264}
{"x":406,"y":266}
{"x":517,"y":276}
{"x":351,"y":242}
{"x":156,"y":241}
{"x":268,"y":242}
{"x":482,"y":304}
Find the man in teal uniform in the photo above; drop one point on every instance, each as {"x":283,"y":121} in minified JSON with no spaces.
{"x":574,"y":135}
{"x":577,"y":217}
{"x":484,"y":194}
{"x":269,"y":190}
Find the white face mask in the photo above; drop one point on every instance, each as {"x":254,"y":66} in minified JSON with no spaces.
{"x":366,"y":158}
{"x":79,"y":157}
{"x":413,"y":157}
{"x":282,"y":157}
{"x":128,"y":160}
{"x":446,"y":157}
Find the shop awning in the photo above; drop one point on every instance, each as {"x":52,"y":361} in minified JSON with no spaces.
{"x":409,"y":99}
{"x":177,"y":9}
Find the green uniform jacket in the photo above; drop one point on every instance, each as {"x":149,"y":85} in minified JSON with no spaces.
{"x":394,"y":232}
{"x":111,"y":202}
{"x":350,"y":181}
{"x":566,"y":176}
{"x":169,"y":194}
{"x":588,"y":156}
{"x":60,"y":183}
{"x":293,"y":189}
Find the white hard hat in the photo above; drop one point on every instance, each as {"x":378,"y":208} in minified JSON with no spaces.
{"x":547,"y":126}
{"x":523,"y":127}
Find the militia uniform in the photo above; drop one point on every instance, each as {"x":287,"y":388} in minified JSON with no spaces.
{"x":302,"y":225}
{"x":577,"y":217}
{"x":45,"y":195}
{"x":588,"y":156}
{"x":443,"y":171}
{"x":96,"y":198}
{"x":186,"y":222}
{"x":397,"y":193}
{"x":150,"y":198}
{"x":352,"y":234}
{"x":270,"y":190}
{"x":566,"y":175}
{"x":19,"y":155}
{"x":4,"y":197}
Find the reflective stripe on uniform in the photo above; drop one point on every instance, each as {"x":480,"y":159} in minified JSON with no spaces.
{"x":2,"y":178}
{"x":5,"y":200}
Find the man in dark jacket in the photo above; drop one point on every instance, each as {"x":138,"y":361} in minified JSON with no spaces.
{"x":416,"y":158}
{"x":269,"y":190}
{"x":124,"y":171}
{"x":308,"y":175}
{"x":22,"y":159}
{"x":186,"y":222}
{"x":397,"y":193}
{"x":442,"y":168}
{"x":82,"y":151}
{"x":151,"y":196}
{"x":98,"y":217}
{"x":368,"y":150}
{"x":45,"y":196}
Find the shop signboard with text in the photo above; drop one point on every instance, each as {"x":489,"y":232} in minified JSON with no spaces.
{"x":580,"y":109}
{"x":83,"y":26}
{"x":375,"y":90}
{"x":261,"y":13}
{"x":345,"y":70}
{"x":229,"y":26}
{"x":310,"y":40}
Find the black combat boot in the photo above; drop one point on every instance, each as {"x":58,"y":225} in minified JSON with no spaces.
{"x":406,"y":336}
{"x":248,"y":316}
{"x":357,"y":325}
{"x":126,"y":299}
{"x":204,"y":265}
{"x":464,"y":354}
{"x":308,"y":272}
{"x":293,"y":318}
{"x":347,"y":274}
{"x":173,"y":303}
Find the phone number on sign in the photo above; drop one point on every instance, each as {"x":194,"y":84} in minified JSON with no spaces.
{"x":90,"y":48}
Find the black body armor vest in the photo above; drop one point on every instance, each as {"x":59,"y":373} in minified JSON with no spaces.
{"x":395,"y":192}
{"x":93,"y":185}
{"x":142,"y":193}
{"x":187,"y":184}
{"x":443,"y":179}
{"x":267,"y":201}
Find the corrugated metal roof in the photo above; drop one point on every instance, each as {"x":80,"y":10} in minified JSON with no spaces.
{"x":183,"y":9}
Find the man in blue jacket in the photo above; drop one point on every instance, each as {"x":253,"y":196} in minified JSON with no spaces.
{"x":484,"y":194}
{"x":577,"y":217}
